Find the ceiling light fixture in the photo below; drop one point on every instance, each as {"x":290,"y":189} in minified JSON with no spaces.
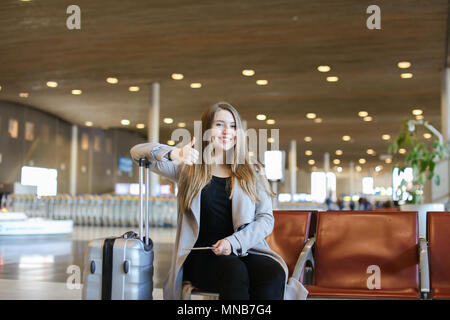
{"x":52,"y":84}
{"x":323,"y":68}
{"x":177,"y":76}
{"x":404,"y":64}
{"x":261,"y":117}
{"x":248,"y":72}
{"x":262,"y":82}
{"x":332,"y":79}
{"x":112,"y":80}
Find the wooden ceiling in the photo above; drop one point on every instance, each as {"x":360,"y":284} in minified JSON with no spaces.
{"x":211,"y":42}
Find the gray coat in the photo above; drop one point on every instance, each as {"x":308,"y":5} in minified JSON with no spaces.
{"x":252,"y":223}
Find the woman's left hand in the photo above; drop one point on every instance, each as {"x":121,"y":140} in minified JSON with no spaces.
{"x":222,"y":247}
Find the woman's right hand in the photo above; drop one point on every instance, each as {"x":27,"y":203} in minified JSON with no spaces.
{"x":186,"y":155}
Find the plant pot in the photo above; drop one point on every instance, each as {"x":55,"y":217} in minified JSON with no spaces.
{"x":422,"y":210}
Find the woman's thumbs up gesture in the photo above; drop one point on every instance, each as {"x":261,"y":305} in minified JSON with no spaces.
{"x":186,"y":154}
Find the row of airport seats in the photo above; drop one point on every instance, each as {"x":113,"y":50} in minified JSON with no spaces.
{"x":363,"y":254}
{"x":94,"y":210}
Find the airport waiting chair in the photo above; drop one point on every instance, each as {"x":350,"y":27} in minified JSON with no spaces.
{"x":368,"y":255}
{"x":290,"y":235}
{"x":438,"y":227}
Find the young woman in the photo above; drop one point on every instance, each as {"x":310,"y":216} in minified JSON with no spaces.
{"x":224,"y":202}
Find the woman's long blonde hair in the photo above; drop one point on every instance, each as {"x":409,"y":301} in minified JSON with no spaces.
{"x":194,"y":178}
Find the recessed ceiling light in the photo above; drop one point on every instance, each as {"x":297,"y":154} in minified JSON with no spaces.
{"x":177,"y":76}
{"x":406,"y":75}
{"x":140,"y":126}
{"x":402,"y":151}
{"x":311,"y":115}
{"x":262,"y":82}
{"x":23,"y":94}
{"x":52,"y":84}
{"x":363,"y":114}
{"x":318,"y":120}
{"x":171,"y":142}
{"x":427,"y":135}
{"x":332,"y":79}
{"x":388,"y":160}
{"x":346,"y":138}
{"x":248,"y":72}
{"x":311,"y":162}
{"x":308,"y":152}
{"x":270,"y":140}
{"x":88,"y":124}
{"x":133,"y":89}
{"x":308,"y":139}
{"x":181,"y":124}
{"x":168,"y":120}
{"x":362,"y":161}
{"x":358,"y":168}
{"x":196,"y":85}
{"x":378,"y":168}
{"x":417,"y":112}
{"x":339,"y":169}
{"x":0,"y":88}
{"x":270,"y":121}
{"x":125,"y":122}
{"x":367,"y":119}
{"x":112,"y":80}
{"x":336,"y":161}
{"x":261,"y":117}
{"x":385,"y":137}
{"x":370,"y":151}
{"x":404,"y":64}
{"x":323,"y":68}
{"x":339,"y":152}
{"x":419,"y":117}
{"x":76,"y":92}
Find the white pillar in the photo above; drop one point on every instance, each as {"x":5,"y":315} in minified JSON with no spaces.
{"x":441,"y":193}
{"x":244,"y":125}
{"x":326,"y":169}
{"x":293,"y":167}
{"x":153,"y":129}
{"x":73,"y":160}
{"x":351,"y":175}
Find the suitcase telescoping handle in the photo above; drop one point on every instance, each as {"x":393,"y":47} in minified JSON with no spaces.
{"x":144,"y":163}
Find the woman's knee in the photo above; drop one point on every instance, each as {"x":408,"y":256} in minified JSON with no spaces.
{"x":232,"y":269}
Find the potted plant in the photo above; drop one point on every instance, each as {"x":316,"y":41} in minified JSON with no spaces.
{"x":422,"y":157}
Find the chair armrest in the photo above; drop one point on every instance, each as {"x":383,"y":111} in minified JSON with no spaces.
{"x":423,"y":268}
{"x":305,"y":255}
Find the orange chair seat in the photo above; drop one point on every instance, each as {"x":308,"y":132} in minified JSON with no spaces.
{"x":316,"y":291}
{"x":441,"y":293}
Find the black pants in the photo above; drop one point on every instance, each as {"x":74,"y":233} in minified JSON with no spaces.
{"x":255,"y":277}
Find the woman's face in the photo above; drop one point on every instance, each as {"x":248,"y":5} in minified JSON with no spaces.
{"x":223,"y":130}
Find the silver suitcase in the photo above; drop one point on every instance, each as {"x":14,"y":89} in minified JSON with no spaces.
{"x":121,"y":268}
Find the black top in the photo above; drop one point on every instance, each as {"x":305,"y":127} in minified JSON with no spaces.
{"x":215,"y":212}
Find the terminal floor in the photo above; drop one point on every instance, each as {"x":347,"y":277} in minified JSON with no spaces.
{"x":36,"y":267}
